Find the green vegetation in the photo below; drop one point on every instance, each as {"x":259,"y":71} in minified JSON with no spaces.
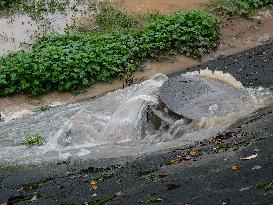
{"x":34,"y":8}
{"x":75,"y":61}
{"x":106,"y":20}
{"x":112,"y":19}
{"x":265,"y":186}
{"x":32,"y":140}
{"x":237,"y":7}
{"x":5,"y":3}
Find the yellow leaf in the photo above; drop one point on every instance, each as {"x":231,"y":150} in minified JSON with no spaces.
{"x":193,"y":152}
{"x":235,"y":167}
{"x":93,"y":182}
{"x":176,"y":161}
{"x":93,"y":187}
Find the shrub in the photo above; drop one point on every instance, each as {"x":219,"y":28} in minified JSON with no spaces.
{"x":72,"y":62}
{"x":4,"y":3}
{"x":237,"y":7}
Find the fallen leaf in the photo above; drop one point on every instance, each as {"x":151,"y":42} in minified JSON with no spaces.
{"x":118,"y":166}
{"x":222,"y":146}
{"x":217,"y":141}
{"x":94,"y":195}
{"x":256,"y":167}
{"x":155,"y":199}
{"x":176,"y":161}
{"x":93,"y":187}
{"x":118,"y":193}
{"x":193,"y":153}
{"x":171,"y":186}
{"x":249,"y":157}
{"x":239,"y":142}
{"x":253,"y":141}
{"x":236,"y":167}
{"x":189,"y":165}
{"x":93,"y":182}
{"x":264,"y":186}
{"x":245,"y":189}
{"x":162,"y":175}
{"x":34,"y":198}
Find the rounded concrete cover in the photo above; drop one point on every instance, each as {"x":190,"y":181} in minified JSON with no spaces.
{"x":195,"y":97}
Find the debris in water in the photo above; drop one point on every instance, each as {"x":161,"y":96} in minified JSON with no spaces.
{"x":236,"y":167}
{"x":249,"y":157}
{"x":245,"y":189}
{"x":257,"y":167}
{"x":171,"y":186}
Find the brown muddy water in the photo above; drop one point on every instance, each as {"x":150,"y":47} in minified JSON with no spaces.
{"x":237,"y":35}
{"x":20,"y":29}
{"x":164,"y":6}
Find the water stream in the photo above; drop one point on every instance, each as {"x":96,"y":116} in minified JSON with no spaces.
{"x":111,"y":126}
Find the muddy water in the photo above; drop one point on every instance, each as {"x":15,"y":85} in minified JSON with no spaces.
{"x":20,"y":30}
{"x":164,"y":6}
{"x":241,"y":34}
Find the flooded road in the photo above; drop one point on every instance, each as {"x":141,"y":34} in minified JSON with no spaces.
{"x":116,"y":125}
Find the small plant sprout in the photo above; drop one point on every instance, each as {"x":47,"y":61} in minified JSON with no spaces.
{"x":32,"y":140}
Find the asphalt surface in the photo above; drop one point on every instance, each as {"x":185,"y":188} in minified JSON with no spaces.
{"x":236,"y":167}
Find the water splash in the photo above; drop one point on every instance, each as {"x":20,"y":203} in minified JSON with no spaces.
{"x":218,"y":75}
{"x":114,"y":125}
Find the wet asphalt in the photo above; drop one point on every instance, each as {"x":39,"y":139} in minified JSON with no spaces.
{"x":236,"y":167}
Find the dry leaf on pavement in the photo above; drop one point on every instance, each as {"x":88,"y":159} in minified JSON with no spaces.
{"x":249,"y":157}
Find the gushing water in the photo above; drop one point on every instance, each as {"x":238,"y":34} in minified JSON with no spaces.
{"x":110,"y":126}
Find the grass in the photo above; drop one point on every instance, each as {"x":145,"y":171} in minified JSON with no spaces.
{"x":32,"y":140}
{"x":233,"y":8}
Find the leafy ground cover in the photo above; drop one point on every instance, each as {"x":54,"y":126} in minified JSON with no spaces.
{"x":32,"y":140}
{"x":4,"y":3}
{"x":34,"y":5}
{"x":74,"y":61}
{"x":237,"y":7}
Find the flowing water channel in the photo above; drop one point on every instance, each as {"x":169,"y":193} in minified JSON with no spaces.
{"x":116,"y":125}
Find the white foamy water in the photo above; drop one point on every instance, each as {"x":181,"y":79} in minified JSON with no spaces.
{"x":114,"y":125}
{"x":218,"y":75}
